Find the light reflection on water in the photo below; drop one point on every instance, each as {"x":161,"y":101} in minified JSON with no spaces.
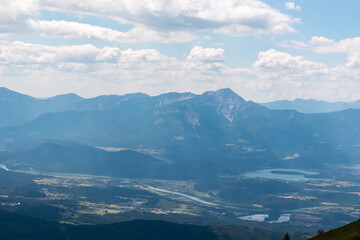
{"x":4,"y":167}
{"x":295,"y":174}
{"x":261,"y":218}
{"x":255,"y":217}
{"x":283,"y":218}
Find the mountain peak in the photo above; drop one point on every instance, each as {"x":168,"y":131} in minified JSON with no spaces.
{"x":227,"y":101}
{"x":7,"y":91}
{"x":10,"y":95}
{"x":225,"y":93}
{"x":68,"y":97}
{"x":4,"y":89}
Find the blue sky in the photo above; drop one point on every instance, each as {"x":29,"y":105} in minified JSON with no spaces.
{"x":263,"y":50}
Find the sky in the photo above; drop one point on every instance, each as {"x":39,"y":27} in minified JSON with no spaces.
{"x":263,"y":50}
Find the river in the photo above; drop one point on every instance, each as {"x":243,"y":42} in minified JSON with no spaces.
{"x":182,"y":195}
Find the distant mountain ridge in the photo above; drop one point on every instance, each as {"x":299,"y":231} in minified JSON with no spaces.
{"x":218,"y":129}
{"x":311,"y":105}
{"x":21,"y":108}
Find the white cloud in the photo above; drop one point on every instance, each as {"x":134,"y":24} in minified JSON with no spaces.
{"x":88,"y":70}
{"x":152,"y":21}
{"x":20,"y":55}
{"x":326,"y":45}
{"x":14,"y":13}
{"x":295,"y":76}
{"x":26,"y":53}
{"x":323,"y":45}
{"x":235,"y":17}
{"x":84,"y":69}
{"x":206,"y":54}
{"x":277,"y":65}
{"x":281,"y":65}
{"x":65,"y":29}
{"x":205,"y":59}
{"x":292,"y":6}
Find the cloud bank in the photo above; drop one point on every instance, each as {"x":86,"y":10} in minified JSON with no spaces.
{"x":152,"y":21}
{"x":91,"y":71}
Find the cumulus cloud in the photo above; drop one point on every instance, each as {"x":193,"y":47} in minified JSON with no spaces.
{"x":206,"y":59}
{"x":88,"y":70}
{"x":152,"y":21}
{"x":84,"y":69}
{"x":14,"y":13}
{"x":276,"y":64}
{"x":66,"y":29}
{"x":311,"y":79}
{"x":235,"y":17}
{"x":206,"y":54}
{"x":323,"y":45}
{"x":285,"y":76}
{"x":292,"y":6}
{"x":26,"y":53}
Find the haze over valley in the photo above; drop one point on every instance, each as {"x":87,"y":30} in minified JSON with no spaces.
{"x":179,"y":119}
{"x":114,"y":158}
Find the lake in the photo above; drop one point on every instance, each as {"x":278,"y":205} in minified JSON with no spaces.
{"x":4,"y":167}
{"x":282,"y":174}
{"x":283,"y":218}
{"x":261,"y":218}
{"x":255,"y":217}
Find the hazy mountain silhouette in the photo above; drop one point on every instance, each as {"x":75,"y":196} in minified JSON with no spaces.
{"x":218,"y":128}
{"x":311,"y":105}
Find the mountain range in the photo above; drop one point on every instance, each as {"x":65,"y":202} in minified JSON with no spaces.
{"x":20,"y":108}
{"x":311,"y":105}
{"x":181,"y":132}
{"x":205,"y":142}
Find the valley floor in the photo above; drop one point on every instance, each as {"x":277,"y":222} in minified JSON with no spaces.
{"x":274,"y":204}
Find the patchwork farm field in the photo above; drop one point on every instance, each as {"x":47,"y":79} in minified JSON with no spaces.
{"x":300,"y":204}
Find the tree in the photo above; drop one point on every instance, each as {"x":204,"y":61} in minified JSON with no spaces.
{"x":286,"y":236}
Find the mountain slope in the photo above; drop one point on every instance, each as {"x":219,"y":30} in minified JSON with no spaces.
{"x":70,"y":157}
{"x":16,"y":226}
{"x":350,"y":231}
{"x":217,"y":129}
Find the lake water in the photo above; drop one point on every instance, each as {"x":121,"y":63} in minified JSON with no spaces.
{"x":4,"y":167}
{"x":255,"y":217}
{"x":283,"y":218}
{"x":261,"y":218}
{"x":282,"y":174}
